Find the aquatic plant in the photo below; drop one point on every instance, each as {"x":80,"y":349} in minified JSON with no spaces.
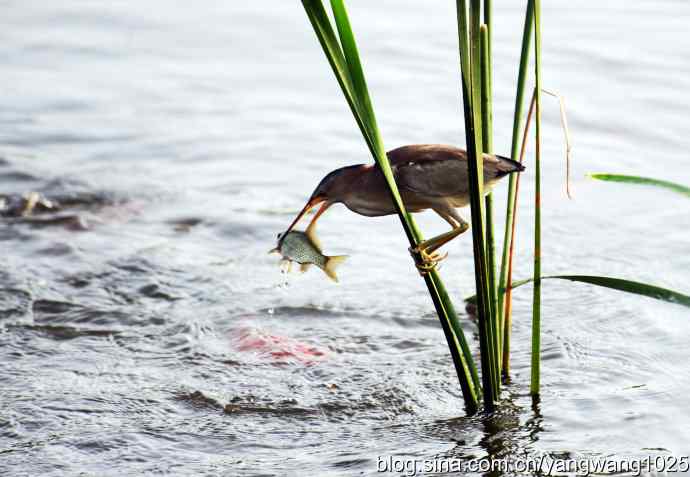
{"x":620,"y":284}
{"x":493,"y":294}
{"x":475,"y":61}
{"x":475,"y":65}
{"x":470,"y":33}
{"x":343,"y":57}
{"x":536,"y":294}
{"x":504,"y":299}
{"x":614,"y":283}
{"x":672,"y":186}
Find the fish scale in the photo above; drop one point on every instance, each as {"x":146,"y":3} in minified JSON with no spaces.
{"x":304,"y":248}
{"x":298,"y":248}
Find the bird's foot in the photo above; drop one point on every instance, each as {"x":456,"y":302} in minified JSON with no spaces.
{"x":425,"y":255}
{"x":425,"y":261}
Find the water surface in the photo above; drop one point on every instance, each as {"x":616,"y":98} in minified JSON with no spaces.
{"x":144,"y":330}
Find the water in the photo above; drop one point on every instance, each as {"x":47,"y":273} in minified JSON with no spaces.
{"x":144,"y":330}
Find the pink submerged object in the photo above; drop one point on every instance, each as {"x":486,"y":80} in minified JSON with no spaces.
{"x":276,"y":347}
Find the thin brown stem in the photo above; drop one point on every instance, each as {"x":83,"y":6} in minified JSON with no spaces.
{"x":566,"y":133}
{"x":508,"y":304}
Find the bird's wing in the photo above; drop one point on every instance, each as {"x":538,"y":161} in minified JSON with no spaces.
{"x":438,"y":170}
{"x":433,"y":178}
{"x":425,"y":153}
{"x":430,"y":169}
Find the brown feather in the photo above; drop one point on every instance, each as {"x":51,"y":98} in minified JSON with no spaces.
{"x":429,"y":176}
{"x":438,"y":170}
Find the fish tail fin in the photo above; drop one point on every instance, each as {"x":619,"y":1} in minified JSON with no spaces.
{"x":331,"y":264}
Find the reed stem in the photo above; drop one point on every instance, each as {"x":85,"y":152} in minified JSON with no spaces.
{"x":487,"y":146}
{"x":536,"y":297}
{"x":470,"y":60}
{"x":505,"y":323}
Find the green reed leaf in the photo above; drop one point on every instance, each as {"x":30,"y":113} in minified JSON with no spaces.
{"x":672,"y":186}
{"x":620,"y":284}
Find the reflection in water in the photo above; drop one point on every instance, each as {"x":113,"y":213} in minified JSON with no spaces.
{"x":489,"y":445}
{"x":534,"y":423}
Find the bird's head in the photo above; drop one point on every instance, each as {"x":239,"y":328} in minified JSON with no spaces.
{"x":333,"y":185}
{"x":332,"y":189}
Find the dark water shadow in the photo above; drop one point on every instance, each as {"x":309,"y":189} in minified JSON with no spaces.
{"x":507,"y":438}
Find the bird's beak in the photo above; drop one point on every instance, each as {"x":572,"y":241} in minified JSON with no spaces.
{"x":313,"y":202}
{"x":321,"y":210}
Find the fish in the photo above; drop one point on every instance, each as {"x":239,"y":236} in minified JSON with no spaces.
{"x":304,"y":248}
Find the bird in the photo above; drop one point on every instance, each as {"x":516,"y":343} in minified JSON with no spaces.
{"x":428,"y":176}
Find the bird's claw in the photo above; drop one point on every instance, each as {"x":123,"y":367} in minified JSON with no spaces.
{"x":425,"y":261}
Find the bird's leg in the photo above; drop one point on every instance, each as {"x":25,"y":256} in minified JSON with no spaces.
{"x":425,"y":255}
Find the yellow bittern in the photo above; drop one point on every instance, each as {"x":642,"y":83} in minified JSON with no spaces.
{"x":428,"y":176}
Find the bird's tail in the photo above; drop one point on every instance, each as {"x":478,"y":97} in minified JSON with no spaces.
{"x":506,"y":166}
